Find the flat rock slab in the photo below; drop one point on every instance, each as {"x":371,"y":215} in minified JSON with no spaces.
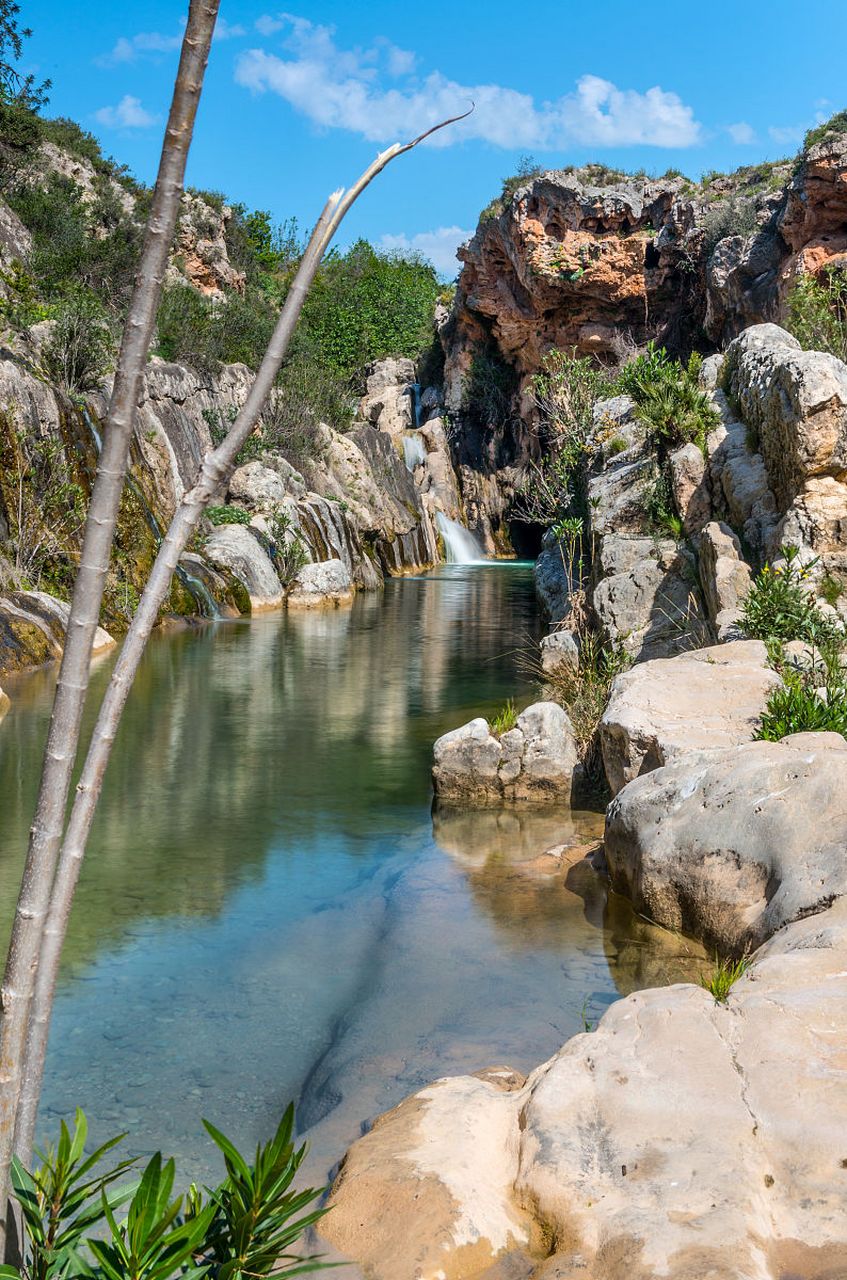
{"x":683,"y":1139}
{"x":698,"y":701}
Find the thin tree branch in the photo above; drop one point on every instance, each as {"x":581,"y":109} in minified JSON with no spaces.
{"x":215,"y":469}
{"x":63,"y":736}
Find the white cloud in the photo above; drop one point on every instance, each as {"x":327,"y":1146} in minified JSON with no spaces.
{"x":787,"y":135}
{"x":342,"y":89}
{"x":742,"y":133}
{"x":128,"y":114}
{"x":130,"y":48}
{"x":438,"y":246}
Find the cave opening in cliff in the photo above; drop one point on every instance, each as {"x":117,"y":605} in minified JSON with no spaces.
{"x":525,"y":538}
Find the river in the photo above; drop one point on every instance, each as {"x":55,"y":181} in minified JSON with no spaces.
{"x":269,"y":911}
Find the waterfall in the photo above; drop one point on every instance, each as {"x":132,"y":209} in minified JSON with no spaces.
{"x":460,"y":546}
{"x":414,"y":450}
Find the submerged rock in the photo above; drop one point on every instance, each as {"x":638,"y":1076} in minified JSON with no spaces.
{"x":732,"y":845}
{"x":663,"y":709}
{"x":326,"y":583}
{"x":534,"y":761}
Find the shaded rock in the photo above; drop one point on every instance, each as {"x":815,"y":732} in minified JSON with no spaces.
{"x":534,"y":761}
{"x":32,"y":630}
{"x":661,"y":710}
{"x":690,"y":486}
{"x":559,"y":650}
{"x":325,"y":583}
{"x":740,"y":487}
{"x":4,"y":703}
{"x":647,"y":599}
{"x":552,"y":583}
{"x":732,"y":845}
{"x":236,"y":548}
{"x":725,"y":578}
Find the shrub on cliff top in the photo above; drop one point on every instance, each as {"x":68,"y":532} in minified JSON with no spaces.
{"x":817,"y":312}
{"x":834,"y":125}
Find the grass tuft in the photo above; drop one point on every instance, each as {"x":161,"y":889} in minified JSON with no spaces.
{"x":724,"y":976}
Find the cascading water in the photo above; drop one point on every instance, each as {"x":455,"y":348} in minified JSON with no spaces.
{"x":460,"y":546}
{"x":414,"y":450}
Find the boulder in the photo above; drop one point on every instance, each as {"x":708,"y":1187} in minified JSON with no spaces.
{"x":4,"y":703}
{"x":32,"y":630}
{"x":257,"y":487}
{"x":552,"y":583}
{"x":660,"y":1144}
{"x":724,"y":576}
{"x":325,"y":583}
{"x":533,"y":762}
{"x":732,"y":845}
{"x":238,"y":549}
{"x":647,"y":600}
{"x":740,"y":487}
{"x":664,"y":709}
{"x":387,"y":402}
{"x":559,"y":651}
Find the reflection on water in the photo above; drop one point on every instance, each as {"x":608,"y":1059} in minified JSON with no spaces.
{"x":268,"y":908}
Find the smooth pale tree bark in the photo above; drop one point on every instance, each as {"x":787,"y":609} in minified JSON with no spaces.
{"x":215,"y":469}
{"x":65,"y":723}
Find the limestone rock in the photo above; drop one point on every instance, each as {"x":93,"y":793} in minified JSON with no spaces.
{"x":732,"y":845}
{"x":661,"y":710}
{"x":4,"y":703}
{"x":552,"y":584}
{"x":236,"y":548}
{"x":32,"y":630}
{"x":257,"y":487}
{"x":724,"y":576}
{"x":559,"y":650}
{"x":690,"y":486}
{"x":201,"y":256}
{"x":647,"y":600}
{"x":325,"y":583}
{"x":658,"y":1145}
{"x":387,"y":403}
{"x":534,"y":761}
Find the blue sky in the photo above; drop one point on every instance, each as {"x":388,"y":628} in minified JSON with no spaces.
{"x":297,"y":102}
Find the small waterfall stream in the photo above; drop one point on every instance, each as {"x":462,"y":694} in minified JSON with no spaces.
{"x":414,"y":450}
{"x":460,"y":546}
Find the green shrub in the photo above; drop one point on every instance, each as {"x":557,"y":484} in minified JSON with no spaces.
{"x":80,"y":350}
{"x":780,"y":605}
{"x":660,"y":509}
{"x":831,"y":588}
{"x":245,"y":1228}
{"x":834,"y":125}
{"x":670,"y":403}
{"x":489,"y":389}
{"x":817,"y":312}
{"x":805,"y":704}
{"x":227,"y":515}
{"x":734,"y":217}
{"x":288,"y":549}
{"x":616,"y":445}
{"x":584,"y":693}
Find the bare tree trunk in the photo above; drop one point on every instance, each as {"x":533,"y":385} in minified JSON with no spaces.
{"x":215,"y":469}
{"x":63,"y":736}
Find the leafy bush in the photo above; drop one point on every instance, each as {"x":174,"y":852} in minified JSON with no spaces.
{"x":780,"y":605}
{"x":489,"y":389}
{"x":80,"y":350}
{"x":805,"y":705}
{"x":244,"y":1227}
{"x":734,"y":217}
{"x":227,"y":515}
{"x":584,"y":693}
{"x":288,"y":549}
{"x":817,"y":312}
{"x":670,"y":402}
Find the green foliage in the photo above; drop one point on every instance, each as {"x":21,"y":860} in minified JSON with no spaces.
{"x":288,"y":549}
{"x":616,"y":445}
{"x":15,"y":86}
{"x":245,"y":1228}
{"x":831,"y":588}
{"x":44,"y":506}
{"x":734,"y":217}
{"x":780,"y":605}
{"x":817,"y":312}
{"x":834,"y":125}
{"x":227,"y":515}
{"x":660,"y":508}
{"x":20,"y":307}
{"x":489,"y":389}
{"x":808,"y":702}
{"x":80,"y":350}
{"x":506,"y":719}
{"x":670,"y":402}
{"x":584,"y":693}
{"x":724,"y":976}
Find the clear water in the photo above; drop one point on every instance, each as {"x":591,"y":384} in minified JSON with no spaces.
{"x":268,"y":909}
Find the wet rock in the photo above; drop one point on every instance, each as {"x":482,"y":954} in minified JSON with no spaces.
{"x":325,"y":583}
{"x":664,"y":709}
{"x":534,"y":761}
{"x":33,"y":625}
{"x":236,"y":548}
{"x":732,"y":845}
{"x":725,"y":578}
